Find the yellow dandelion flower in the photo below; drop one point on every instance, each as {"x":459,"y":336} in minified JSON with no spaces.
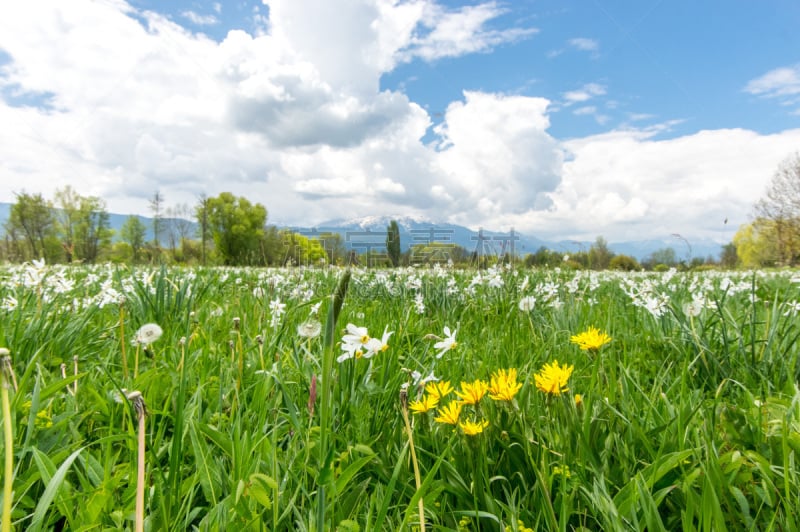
{"x":553,"y":378}
{"x":427,"y":403}
{"x":471,"y":428}
{"x":438,"y":388}
{"x":449,"y":413}
{"x":590,"y":340}
{"x":578,"y":399}
{"x":472,"y":393}
{"x":503,"y":385}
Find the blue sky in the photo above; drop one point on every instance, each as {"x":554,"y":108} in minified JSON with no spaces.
{"x":562,"y":119}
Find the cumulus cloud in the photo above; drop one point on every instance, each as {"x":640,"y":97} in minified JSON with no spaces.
{"x":634,"y":186}
{"x":496,"y":156}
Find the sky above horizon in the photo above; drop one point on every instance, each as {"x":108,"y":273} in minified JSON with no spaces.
{"x":562,"y":119}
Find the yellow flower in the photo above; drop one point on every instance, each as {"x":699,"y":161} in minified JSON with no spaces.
{"x":449,"y":413}
{"x":578,"y":399}
{"x":427,"y":403}
{"x":472,"y":393}
{"x":471,"y":428}
{"x":439,"y":389}
{"x":504,"y":385}
{"x":591,"y":339}
{"x":553,"y":378}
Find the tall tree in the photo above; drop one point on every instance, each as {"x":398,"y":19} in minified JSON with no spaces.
{"x":93,"y":232}
{"x":393,"y":243}
{"x":201,"y":215}
{"x":781,"y":207}
{"x":157,"y":209}
{"x":32,"y":217}
{"x":82,"y":223}
{"x":133,"y":231}
{"x":67,"y":203}
{"x":180,"y":226}
{"x":729,"y":257}
{"x":237,"y":227}
{"x":599,"y":254}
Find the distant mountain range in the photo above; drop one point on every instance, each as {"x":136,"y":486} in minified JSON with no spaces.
{"x":369,"y":232}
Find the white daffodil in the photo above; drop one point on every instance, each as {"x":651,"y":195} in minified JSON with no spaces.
{"x":448,"y":343}
{"x":375,"y":346}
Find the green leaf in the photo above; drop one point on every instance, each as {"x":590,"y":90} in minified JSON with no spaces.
{"x":51,"y":490}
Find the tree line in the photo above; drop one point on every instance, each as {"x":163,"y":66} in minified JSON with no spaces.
{"x":222,"y":230}
{"x":230,"y":230}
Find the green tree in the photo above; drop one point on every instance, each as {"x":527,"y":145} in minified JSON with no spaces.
{"x":157,"y":209}
{"x":666,"y":256}
{"x":31,"y":218}
{"x":393,"y":243}
{"x":237,"y":227}
{"x":729,"y":258}
{"x":82,"y":223}
{"x":334,"y":247}
{"x":599,"y":254}
{"x":757,"y":244}
{"x":624,"y":263}
{"x":203,"y":228}
{"x":780,"y":208}
{"x":133,"y":232}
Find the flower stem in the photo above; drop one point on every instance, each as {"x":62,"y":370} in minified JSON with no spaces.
{"x":8,"y":440}
{"x":122,"y":341}
{"x":417,"y":476}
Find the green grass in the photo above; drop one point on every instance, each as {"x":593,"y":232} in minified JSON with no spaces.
{"x":687,"y":422}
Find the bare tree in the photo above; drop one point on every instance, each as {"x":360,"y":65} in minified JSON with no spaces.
{"x":780,"y":207}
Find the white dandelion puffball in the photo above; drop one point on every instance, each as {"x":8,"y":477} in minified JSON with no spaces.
{"x":148,"y":333}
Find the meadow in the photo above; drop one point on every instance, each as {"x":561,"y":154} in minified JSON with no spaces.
{"x":412,"y":399}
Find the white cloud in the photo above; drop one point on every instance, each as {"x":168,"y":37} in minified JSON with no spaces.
{"x":628,"y":186}
{"x":496,"y":156}
{"x":455,"y":33}
{"x":587,"y":92}
{"x":583,"y":44}
{"x":200,"y":20}
{"x":776,"y":83}
{"x":781,"y":84}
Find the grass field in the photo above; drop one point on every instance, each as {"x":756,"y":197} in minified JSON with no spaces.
{"x":482,"y":400}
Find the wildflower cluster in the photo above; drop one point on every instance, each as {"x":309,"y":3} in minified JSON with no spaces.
{"x":502,"y":386}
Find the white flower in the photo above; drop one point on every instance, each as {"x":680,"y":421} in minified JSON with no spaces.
{"x":419,"y":380}
{"x":10,"y":303}
{"x":448,"y":343}
{"x":794,"y":308}
{"x":277,"y":309}
{"x":315,"y":308}
{"x":419,"y":305}
{"x":353,"y":342}
{"x":527,"y":303}
{"x":375,"y":346}
{"x":148,"y":333}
